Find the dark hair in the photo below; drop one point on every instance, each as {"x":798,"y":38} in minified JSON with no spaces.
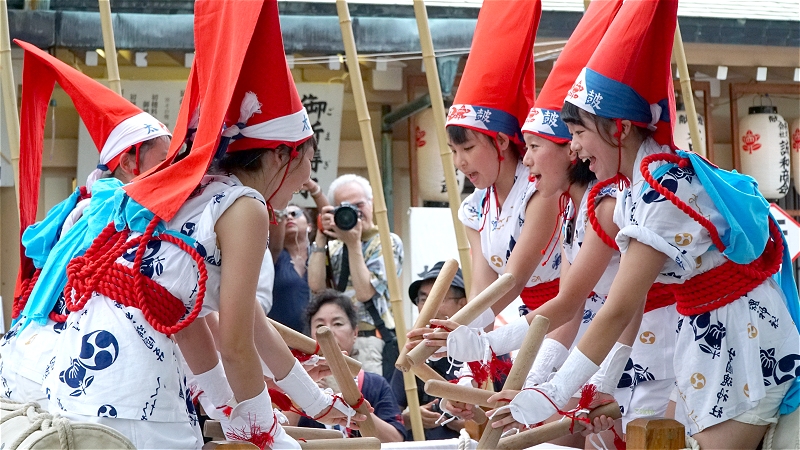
{"x":579,"y":173}
{"x":460,"y":292}
{"x":335,"y":297}
{"x":250,"y":160}
{"x":572,"y":114}
{"x":458,"y":135}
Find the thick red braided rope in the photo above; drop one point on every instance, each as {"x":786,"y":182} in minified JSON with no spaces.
{"x":98,"y":271}
{"x":591,"y":204}
{"x":659,"y":296}
{"x":22,"y":300}
{"x":536,"y":296}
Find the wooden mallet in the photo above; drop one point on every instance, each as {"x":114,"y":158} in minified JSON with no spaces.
{"x":352,"y":396}
{"x":364,"y":443}
{"x":305,"y":344}
{"x":438,"y":291}
{"x":516,"y":378}
{"x":419,"y":354}
{"x":555,"y":430}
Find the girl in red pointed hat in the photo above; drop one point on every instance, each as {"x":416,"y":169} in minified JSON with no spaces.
{"x":483,"y":127}
{"x":153,"y":274}
{"x":130,"y":141}
{"x":737,"y":350}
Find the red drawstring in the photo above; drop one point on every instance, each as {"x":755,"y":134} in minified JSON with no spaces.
{"x":302,"y":356}
{"x":261,"y":439}
{"x":563,"y":203}
{"x":292,"y":155}
{"x":486,"y":206}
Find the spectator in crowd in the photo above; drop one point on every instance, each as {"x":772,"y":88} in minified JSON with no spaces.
{"x":430,"y":407}
{"x":335,"y":310}
{"x":357,"y":269}
{"x":289,"y":248}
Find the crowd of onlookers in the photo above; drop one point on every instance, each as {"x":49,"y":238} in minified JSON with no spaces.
{"x":329,"y":276}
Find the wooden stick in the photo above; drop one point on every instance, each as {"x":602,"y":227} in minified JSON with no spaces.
{"x":379,"y":206}
{"x":365,"y":443}
{"x":686,"y":90}
{"x":213,"y":429}
{"x":555,"y":430}
{"x":516,"y":378}
{"x":419,"y":354}
{"x":229,"y":445}
{"x":438,"y":291}
{"x":9,"y":89}
{"x":110,"y":47}
{"x":439,"y":114}
{"x":426,"y":374}
{"x":463,"y":394}
{"x":305,"y":344}
{"x":647,"y":433}
{"x":350,"y":393}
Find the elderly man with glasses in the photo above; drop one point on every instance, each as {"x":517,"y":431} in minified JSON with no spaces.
{"x":350,"y":261}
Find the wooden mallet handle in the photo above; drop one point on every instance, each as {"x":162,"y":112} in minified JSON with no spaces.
{"x":305,"y":344}
{"x":310,"y":434}
{"x":350,"y":392}
{"x":463,"y":394}
{"x":428,"y":375}
{"x":554,"y":430}
{"x":473,"y":309}
{"x":519,"y":372}
{"x":438,"y":291}
{"x":364,"y":443}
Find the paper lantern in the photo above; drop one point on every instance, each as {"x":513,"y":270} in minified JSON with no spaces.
{"x":764,"y":150}
{"x":429,"y":162}
{"x":681,"y":135}
{"x":794,"y":137}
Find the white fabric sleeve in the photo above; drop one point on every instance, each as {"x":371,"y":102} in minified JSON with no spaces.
{"x":551,"y":356}
{"x":607,"y":377}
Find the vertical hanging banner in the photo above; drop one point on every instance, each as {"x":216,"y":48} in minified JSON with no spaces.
{"x":323,"y":103}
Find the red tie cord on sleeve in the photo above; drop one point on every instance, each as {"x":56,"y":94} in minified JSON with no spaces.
{"x":496,"y":368}
{"x":591,"y":204}
{"x":98,"y":271}
{"x":22,"y":300}
{"x":302,"y":356}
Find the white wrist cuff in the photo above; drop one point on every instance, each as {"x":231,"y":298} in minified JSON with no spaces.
{"x":467,"y":344}
{"x":551,"y":356}
{"x":575,"y":371}
{"x":607,"y":378}
{"x":509,"y":337}
{"x":484,"y":320}
{"x":299,"y":386}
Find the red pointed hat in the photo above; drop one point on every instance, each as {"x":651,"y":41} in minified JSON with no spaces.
{"x":498,"y":85}
{"x":629,"y":76}
{"x":243,"y":85}
{"x":544,"y":118}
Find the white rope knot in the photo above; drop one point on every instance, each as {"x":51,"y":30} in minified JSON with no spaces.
{"x":510,"y":432}
{"x":250,"y":105}
{"x":655,"y":116}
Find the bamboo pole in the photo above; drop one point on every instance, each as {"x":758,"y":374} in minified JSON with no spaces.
{"x":439,"y":114}
{"x":110,"y":47}
{"x":347,"y":384}
{"x":516,"y":377}
{"x":438,"y":291}
{"x":9,"y":89}
{"x":419,"y":354}
{"x":686,"y":90}
{"x":379,"y":207}
{"x":307,"y":345}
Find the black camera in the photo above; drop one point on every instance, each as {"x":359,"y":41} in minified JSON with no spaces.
{"x":345,"y":216}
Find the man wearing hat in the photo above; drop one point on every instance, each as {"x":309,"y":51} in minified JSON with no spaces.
{"x":430,"y":409}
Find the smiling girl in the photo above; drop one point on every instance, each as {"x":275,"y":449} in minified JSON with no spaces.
{"x":737,"y":352}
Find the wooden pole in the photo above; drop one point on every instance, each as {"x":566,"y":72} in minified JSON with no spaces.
{"x":516,"y":378}
{"x":347,"y":384}
{"x":555,"y":430}
{"x":365,"y":443}
{"x":439,"y":114}
{"x":9,"y":89}
{"x":110,"y":47}
{"x":379,"y":207}
{"x":305,"y":344}
{"x":419,"y":354}
{"x":686,"y":90}
{"x":438,"y":291}
{"x":649,"y":434}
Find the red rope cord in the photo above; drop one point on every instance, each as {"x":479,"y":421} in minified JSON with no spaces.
{"x":98,"y":271}
{"x":659,"y":296}
{"x":27,"y":288}
{"x":536,"y":296}
{"x":303,"y":356}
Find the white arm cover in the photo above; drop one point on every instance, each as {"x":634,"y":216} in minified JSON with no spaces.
{"x":551,"y":356}
{"x":304,"y":391}
{"x":607,"y":378}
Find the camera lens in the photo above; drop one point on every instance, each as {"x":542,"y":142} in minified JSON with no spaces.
{"x":345,"y":216}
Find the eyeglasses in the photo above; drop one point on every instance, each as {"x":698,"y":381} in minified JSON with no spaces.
{"x":294,"y":213}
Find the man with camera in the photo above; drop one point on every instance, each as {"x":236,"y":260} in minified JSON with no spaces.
{"x":346,"y":255}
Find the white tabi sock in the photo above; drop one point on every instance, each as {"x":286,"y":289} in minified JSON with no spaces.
{"x":607,"y":378}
